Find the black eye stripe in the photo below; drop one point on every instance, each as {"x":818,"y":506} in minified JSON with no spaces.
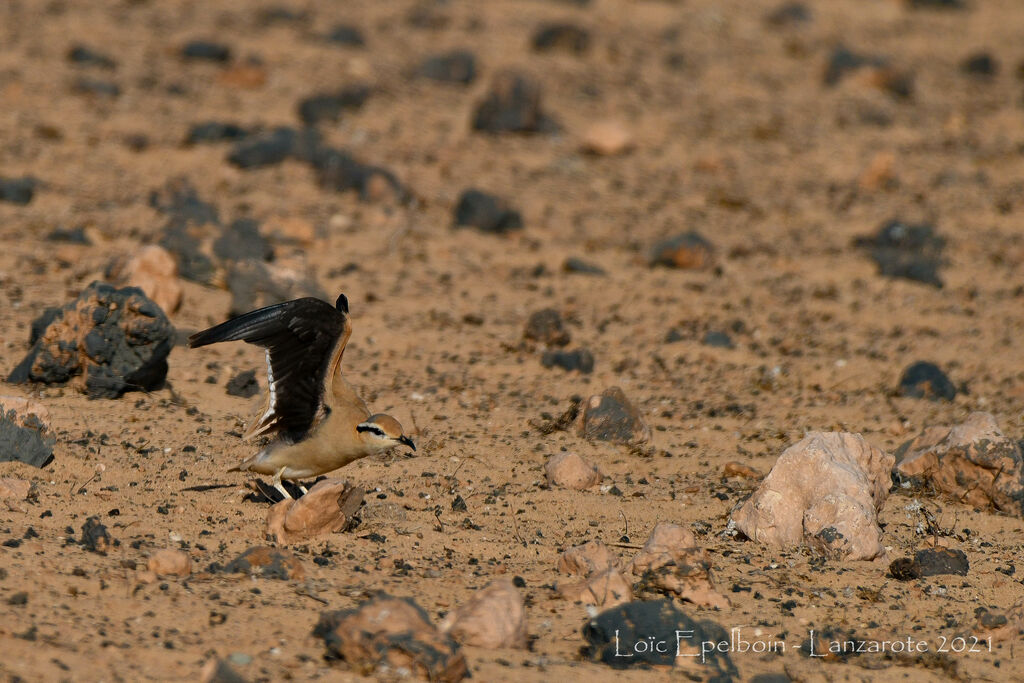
{"x":370,"y":428}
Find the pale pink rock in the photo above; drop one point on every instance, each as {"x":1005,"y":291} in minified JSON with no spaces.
{"x":170,"y":562}
{"x":671,"y":562}
{"x":494,"y":617}
{"x":826,"y":491}
{"x":326,"y":508}
{"x":606,"y":588}
{"x":571,"y":471}
{"x":153,"y":270}
{"x":390,"y":635}
{"x":587,"y":559}
{"x":973,"y":462}
{"x":607,"y":138}
{"x":23,"y":407}
{"x":14,"y":489}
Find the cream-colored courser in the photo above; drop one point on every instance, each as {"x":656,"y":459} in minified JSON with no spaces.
{"x":318,"y":421}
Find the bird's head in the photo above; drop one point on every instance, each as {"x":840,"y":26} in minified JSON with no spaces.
{"x":382,"y":432}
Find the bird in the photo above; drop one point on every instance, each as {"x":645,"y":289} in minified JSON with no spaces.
{"x":318,"y":422}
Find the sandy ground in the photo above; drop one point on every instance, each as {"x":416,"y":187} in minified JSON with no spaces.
{"x":735,"y":137}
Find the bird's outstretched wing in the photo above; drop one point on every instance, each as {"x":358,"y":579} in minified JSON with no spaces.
{"x":304,"y":339}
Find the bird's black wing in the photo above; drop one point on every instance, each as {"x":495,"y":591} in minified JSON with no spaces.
{"x":304,"y":339}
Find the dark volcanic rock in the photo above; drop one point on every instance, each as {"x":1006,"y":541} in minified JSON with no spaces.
{"x":904,"y":569}
{"x":843,"y":62}
{"x":973,"y":463}
{"x":903,"y":250}
{"x":17,"y":190}
{"x":179,"y":200}
{"x":391,"y":634}
{"x":95,"y":537}
{"x":611,"y":417}
{"x":241,"y":241}
{"x":40,"y":324}
{"x":546,"y":326}
{"x":339,"y":171}
{"x":193,"y":263}
{"x":273,"y":147}
{"x":214,"y":131}
{"x":458,"y":66}
{"x":328,"y":106}
{"x":86,"y":56}
{"x":936,"y":561}
{"x":244,"y":384}
{"x":981,"y":64}
{"x":938,"y":4}
{"x":820,"y":639}
{"x":191,"y":226}
{"x":621,"y":638}
{"x":25,"y":438}
{"x":930,"y":562}
{"x":270,"y":563}
{"x":719,"y":340}
{"x":926,"y":380}
{"x":268,"y":16}
{"x":565,"y":37}
{"x":219,"y":671}
{"x":574,"y":264}
{"x":689,"y":251}
{"x":789,"y":14}
{"x":117,"y":340}
{"x":580,"y":359}
{"x":254,"y":284}
{"x":206,"y":50}
{"x":74,"y":235}
{"x":511,"y":106}
{"x":486,"y":212}
{"x":95,"y":86}
{"x":343,"y":34}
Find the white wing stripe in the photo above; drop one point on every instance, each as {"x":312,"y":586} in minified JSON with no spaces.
{"x":273,"y":390}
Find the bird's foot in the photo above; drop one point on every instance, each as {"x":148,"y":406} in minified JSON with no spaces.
{"x":279,"y":486}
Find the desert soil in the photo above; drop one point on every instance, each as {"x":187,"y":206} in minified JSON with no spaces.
{"x":735,"y":136}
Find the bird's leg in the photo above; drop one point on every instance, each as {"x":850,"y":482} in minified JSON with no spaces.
{"x":276,"y":481}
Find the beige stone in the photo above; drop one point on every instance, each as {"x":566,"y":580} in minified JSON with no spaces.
{"x":24,"y":407}
{"x":153,"y":270}
{"x":825,"y":491}
{"x":571,"y":471}
{"x":738,"y":469}
{"x":607,"y":138}
{"x":670,"y":562}
{"x":389,"y":634}
{"x":606,"y":588}
{"x":14,"y":489}
{"x":290,"y":229}
{"x":170,"y":562}
{"x":327,"y":508}
{"x":587,"y":559}
{"x":973,"y":462}
{"x":494,"y":617}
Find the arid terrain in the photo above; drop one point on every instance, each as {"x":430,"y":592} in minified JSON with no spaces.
{"x":719,"y":117}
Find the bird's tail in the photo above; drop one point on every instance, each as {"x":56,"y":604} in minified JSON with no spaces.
{"x":247,"y":464}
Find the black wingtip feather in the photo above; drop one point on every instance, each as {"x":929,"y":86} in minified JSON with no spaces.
{"x":342,"y":304}
{"x":245,"y":327}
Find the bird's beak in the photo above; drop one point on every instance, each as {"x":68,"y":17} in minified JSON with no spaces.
{"x":407,"y":442}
